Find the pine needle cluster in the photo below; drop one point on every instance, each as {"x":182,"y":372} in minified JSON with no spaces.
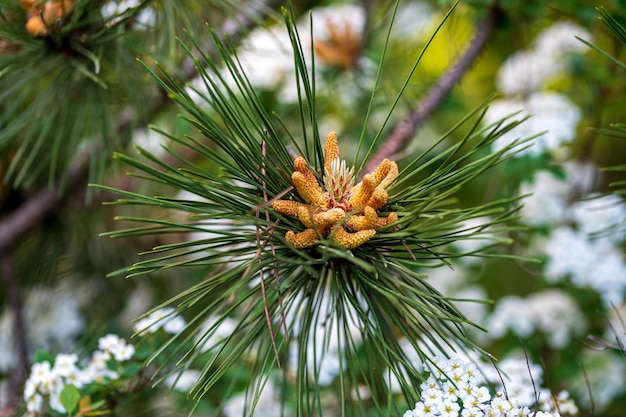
{"x":290,"y":300}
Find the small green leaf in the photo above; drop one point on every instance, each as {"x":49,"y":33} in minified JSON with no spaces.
{"x":70,"y":396}
{"x":43,"y":356}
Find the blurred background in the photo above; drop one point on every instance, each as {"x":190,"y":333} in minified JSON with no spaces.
{"x":72,"y":92}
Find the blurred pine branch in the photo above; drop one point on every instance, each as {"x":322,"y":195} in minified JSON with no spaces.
{"x":38,"y":203}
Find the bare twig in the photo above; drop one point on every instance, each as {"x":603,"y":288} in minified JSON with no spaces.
{"x":589,"y":391}
{"x":406,"y":129}
{"x":46,"y":200}
{"x":261,"y":274}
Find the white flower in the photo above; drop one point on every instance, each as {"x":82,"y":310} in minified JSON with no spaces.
{"x":472,"y":412}
{"x":560,"y":40}
{"x":44,"y":378}
{"x":432,"y":396}
{"x":516,"y":373}
{"x":54,"y":400}
{"x":266,"y":57}
{"x":34,"y":404}
{"x":213,"y":334}
{"x":174,"y":325}
{"x":117,"y":347}
{"x":448,"y":408}
{"x":587,"y":263}
{"x":30,"y":388}
{"x":65,"y":364}
{"x":552,"y":312}
{"x":547,"y":204}
{"x":526,"y":71}
{"x":54,"y":321}
{"x":97,"y":370}
{"x":184,"y":381}
{"x":582,"y":177}
{"x":553,"y":116}
{"x":529,"y":70}
{"x":507,"y":316}
{"x":600,"y":215}
{"x":410,"y":413}
{"x":164,"y":318}
{"x":569,"y":254}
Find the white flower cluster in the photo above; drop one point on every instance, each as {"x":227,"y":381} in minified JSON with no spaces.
{"x":600,"y":216}
{"x":522,"y":381}
{"x":46,"y":381}
{"x":164,"y":318}
{"x":454,"y":389}
{"x":554,"y":119}
{"x":587,"y":263}
{"x":529,"y":70}
{"x":522,"y":78}
{"x":551,"y":312}
{"x":588,"y":251}
{"x":546,"y":198}
{"x":584,"y":244}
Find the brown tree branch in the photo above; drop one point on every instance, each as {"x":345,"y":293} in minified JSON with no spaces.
{"x":45,"y":201}
{"x":406,"y":129}
{"x":20,"y":331}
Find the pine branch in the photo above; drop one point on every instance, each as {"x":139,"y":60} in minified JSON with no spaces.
{"x":406,"y":129}
{"x":46,"y":200}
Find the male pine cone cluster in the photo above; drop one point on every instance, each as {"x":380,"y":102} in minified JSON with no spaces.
{"x":43,"y":15}
{"x":344,"y":212}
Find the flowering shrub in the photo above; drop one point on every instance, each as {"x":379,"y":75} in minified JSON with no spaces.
{"x":63,"y":384}
{"x":457,"y":388}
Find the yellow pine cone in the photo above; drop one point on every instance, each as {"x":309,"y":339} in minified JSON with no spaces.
{"x":331,"y":149}
{"x":386,"y":221}
{"x":288,"y":207}
{"x":308,"y":190}
{"x":42,"y":15}
{"x":367,"y":221}
{"x":391,"y":175}
{"x":324,"y":213}
{"x":320,"y":220}
{"x":352,"y":240}
{"x":301,"y":240}
{"x":380,"y":173}
{"x":362,"y":192}
{"x":378,"y":199}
